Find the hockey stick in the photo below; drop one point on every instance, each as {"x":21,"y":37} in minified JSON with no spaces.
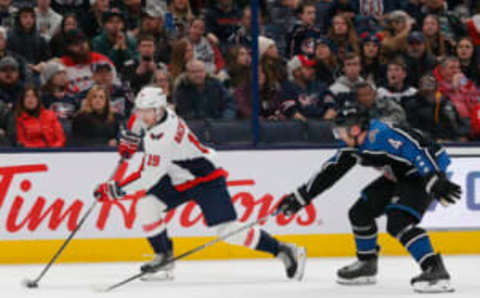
{"x":34,"y":283}
{"x":194,"y":250}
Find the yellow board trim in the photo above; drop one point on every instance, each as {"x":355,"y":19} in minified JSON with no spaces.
{"x":138,"y":249}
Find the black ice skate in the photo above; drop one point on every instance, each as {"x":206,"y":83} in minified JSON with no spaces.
{"x":359,"y":273}
{"x":434,"y":279}
{"x":293,"y":257}
{"x":158,"y":273}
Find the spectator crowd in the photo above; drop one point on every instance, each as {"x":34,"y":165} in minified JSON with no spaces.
{"x":70,"y":69}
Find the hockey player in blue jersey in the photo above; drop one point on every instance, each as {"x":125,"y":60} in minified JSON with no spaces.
{"x":413,"y":169}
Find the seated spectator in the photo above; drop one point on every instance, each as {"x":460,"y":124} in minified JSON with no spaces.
{"x":326,"y":63}
{"x":203,"y":49}
{"x":381,"y":108}
{"x":343,"y":87}
{"x":181,"y":15}
{"x":69,"y":6}
{"x":113,"y":42}
{"x":419,"y":60}
{"x":305,"y":97}
{"x":139,"y":71}
{"x":132,"y":10}
{"x":25,"y":41}
{"x":272,"y":63}
{"x":238,"y":67}
{"x":78,"y":60}
{"x":453,"y":84}
{"x":434,"y":114}
{"x":372,"y":64}
{"x":10,"y":84}
{"x":182,"y":52}
{"x":54,"y":83}
{"x":301,"y":37}
{"x":92,"y":21}
{"x":96,"y":124}
{"x":397,"y":87}
{"x":451,"y":26}
{"x":8,"y":135}
{"x":282,"y":19}
{"x":161,"y":78}
{"x":436,"y":41}
{"x":469,"y":58}
{"x":399,"y":25}
{"x":343,"y":36}
{"x":199,"y":96}
{"x":269,"y":97}
{"x":25,"y":73}
{"x":222,"y":20}
{"x":153,"y":24}
{"x":243,"y":35}
{"x":473,"y":28}
{"x":7,"y":14}
{"x":120,"y":96}
{"x":57,"y":43}
{"x":36,"y":126}
{"x":48,"y":21}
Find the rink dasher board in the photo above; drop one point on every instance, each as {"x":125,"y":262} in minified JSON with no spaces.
{"x":42,"y":196}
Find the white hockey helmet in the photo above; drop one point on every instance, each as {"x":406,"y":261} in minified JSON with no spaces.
{"x":151,"y":97}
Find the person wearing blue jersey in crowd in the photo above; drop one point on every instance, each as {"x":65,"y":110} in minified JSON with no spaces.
{"x":414,"y":175}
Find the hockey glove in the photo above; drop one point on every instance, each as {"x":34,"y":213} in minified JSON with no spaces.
{"x":445,"y":191}
{"x":292,"y":203}
{"x":129,"y":144}
{"x":108,"y":191}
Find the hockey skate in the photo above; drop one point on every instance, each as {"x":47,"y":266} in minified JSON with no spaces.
{"x":359,"y":273}
{"x":294,"y":258}
{"x":158,"y":274}
{"x":434,"y":279}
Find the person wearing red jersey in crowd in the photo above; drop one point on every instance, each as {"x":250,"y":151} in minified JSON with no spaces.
{"x":37,"y":127}
{"x":78,"y":60}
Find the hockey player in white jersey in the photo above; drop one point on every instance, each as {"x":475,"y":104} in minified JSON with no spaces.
{"x":177,"y":168}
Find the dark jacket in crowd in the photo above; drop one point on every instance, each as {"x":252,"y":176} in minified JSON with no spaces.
{"x":312,"y":101}
{"x":7,"y":124}
{"x":300,"y":36}
{"x":30,"y":45}
{"x":62,"y":7}
{"x":10,"y":94}
{"x":222,"y":24}
{"x":270,"y":101}
{"x":212,"y":101}
{"x":440,"y":119}
{"x":417,"y":68}
{"x":282,"y":19}
{"x":92,"y":129}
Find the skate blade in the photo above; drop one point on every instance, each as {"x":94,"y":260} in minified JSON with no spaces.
{"x":301,"y":260}
{"x":359,"y":281}
{"x":158,"y":276}
{"x":441,"y":286}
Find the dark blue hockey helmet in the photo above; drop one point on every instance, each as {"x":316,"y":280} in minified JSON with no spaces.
{"x":352,"y":113}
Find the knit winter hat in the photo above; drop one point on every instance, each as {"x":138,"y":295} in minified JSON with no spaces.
{"x":50,"y":70}
{"x":296,"y":62}
{"x":263,"y":44}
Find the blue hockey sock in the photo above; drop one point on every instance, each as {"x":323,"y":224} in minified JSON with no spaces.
{"x":267,"y":243}
{"x":366,"y":241}
{"x":161,"y":243}
{"x":417,"y":242}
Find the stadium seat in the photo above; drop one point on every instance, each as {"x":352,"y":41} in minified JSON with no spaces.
{"x":233,"y":132}
{"x":319,"y":132}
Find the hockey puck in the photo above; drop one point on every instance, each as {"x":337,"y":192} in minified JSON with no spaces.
{"x":29,"y":283}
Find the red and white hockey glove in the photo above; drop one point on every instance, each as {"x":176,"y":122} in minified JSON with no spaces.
{"x":108,"y":191}
{"x":129,"y":144}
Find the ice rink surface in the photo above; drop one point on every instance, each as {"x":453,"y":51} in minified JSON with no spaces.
{"x":239,"y":278}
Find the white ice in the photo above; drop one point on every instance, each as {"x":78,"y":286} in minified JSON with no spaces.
{"x":239,"y":278}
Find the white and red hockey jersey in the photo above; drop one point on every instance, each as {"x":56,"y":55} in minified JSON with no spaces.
{"x":80,"y":75}
{"x":172,"y":149}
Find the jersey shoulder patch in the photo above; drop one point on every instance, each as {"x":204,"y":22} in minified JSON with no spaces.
{"x":395,"y":143}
